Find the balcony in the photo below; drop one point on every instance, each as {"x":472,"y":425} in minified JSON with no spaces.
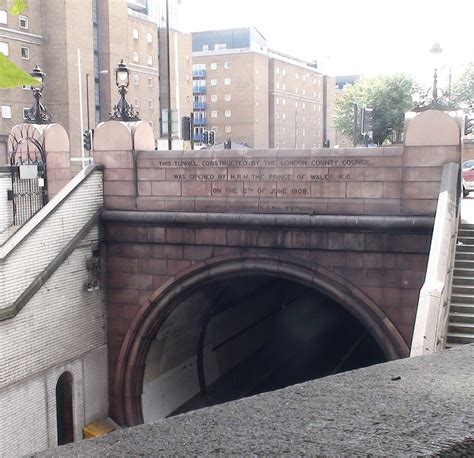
{"x":198,"y":122}
{"x":199,"y":74}
{"x":199,"y":89}
{"x":199,"y":106}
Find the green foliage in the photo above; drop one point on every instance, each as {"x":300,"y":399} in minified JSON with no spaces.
{"x":463,"y":89}
{"x":12,"y":76}
{"x":389,"y":96}
{"x":18,"y":7}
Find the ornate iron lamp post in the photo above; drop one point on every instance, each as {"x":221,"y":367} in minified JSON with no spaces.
{"x":123,"y":111}
{"x":38,"y":113}
{"x":437,"y":102}
{"x":435,"y":51}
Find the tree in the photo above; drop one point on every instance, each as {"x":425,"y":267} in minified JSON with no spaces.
{"x":10,"y":74}
{"x":389,"y":96}
{"x":463,"y":89}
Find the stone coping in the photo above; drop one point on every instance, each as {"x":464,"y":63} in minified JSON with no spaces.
{"x":273,"y":221}
{"x":416,"y":406}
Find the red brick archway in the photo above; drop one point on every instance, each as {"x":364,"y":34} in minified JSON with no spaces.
{"x":131,"y":364}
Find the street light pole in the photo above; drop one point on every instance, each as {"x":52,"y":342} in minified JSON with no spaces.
{"x":168,"y":73}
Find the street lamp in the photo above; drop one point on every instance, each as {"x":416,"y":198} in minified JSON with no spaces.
{"x":38,"y":114}
{"x":437,"y":102}
{"x":435,"y":51}
{"x":123,"y":111}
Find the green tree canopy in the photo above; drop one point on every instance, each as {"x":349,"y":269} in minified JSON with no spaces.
{"x":463,"y":89}
{"x":389,"y":96}
{"x":10,"y":74}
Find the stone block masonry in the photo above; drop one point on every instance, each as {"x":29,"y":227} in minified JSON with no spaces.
{"x":356,"y":181}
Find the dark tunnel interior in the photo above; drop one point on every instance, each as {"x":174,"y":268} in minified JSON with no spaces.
{"x":243,"y":336}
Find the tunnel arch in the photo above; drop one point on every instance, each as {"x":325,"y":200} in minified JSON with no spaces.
{"x":153,"y":313}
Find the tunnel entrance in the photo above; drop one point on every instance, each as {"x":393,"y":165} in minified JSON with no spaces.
{"x":236,"y":337}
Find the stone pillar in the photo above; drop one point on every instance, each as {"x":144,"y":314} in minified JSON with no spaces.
{"x":432,"y":139}
{"x":116,"y":145}
{"x":6,"y":211}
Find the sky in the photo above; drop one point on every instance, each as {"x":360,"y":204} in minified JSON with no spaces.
{"x":368,"y":37}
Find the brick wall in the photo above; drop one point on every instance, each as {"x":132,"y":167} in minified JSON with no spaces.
{"x":61,"y":327}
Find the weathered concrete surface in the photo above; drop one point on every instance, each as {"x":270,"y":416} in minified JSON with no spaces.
{"x":422,"y":405}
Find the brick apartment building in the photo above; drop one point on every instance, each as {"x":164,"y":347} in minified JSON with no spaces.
{"x":257,"y":96}
{"x":78,"y":43}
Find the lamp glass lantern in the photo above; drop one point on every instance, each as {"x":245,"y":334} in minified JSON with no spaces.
{"x":38,"y":75}
{"x":122,"y":74}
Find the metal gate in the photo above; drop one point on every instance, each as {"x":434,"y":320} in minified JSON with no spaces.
{"x":28,"y":172}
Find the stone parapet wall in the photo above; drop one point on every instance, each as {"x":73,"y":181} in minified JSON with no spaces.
{"x":352,"y":181}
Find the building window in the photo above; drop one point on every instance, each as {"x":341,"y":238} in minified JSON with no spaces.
{"x":136,"y":79}
{"x":304,"y":105}
{"x":296,"y":104}
{"x":213,"y":98}
{"x":4,"y":49}
{"x":278,"y":100}
{"x":278,"y":85}
{"x":149,"y":38}
{"x":3,"y":17}
{"x":297,"y":76}
{"x":137,"y":102}
{"x":227,"y":65}
{"x":283,"y":101}
{"x":284,"y":86}
{"x":26,"y":111}
{"x":213,"y":114}
{"x":296,"y":90}
{"x":25,"y":52}
{"x":284,"y":130}
{"x":278,"y":70}
{"x":6,"y":111}
{"x":220,"y":46}
{"x":283,"y":116}
{"x":150,"y":104}
{"x":135,"y":34}
{"x":150,"y":82}
{"x":23,"y":22}
{"x":227,"y":81}
{"x":228,"y":129}
{"x":149,"y":60}
{"x":205,"y":47}
{"x":304,"y":91}
{"x":228,"y":113}
{"x":135,"y":57}
{"x":228,"y":97}
{"x":277,"y":115}
{"x":214,"y":82}
{"x":284,"y":72}
{"x":213,"y":66}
